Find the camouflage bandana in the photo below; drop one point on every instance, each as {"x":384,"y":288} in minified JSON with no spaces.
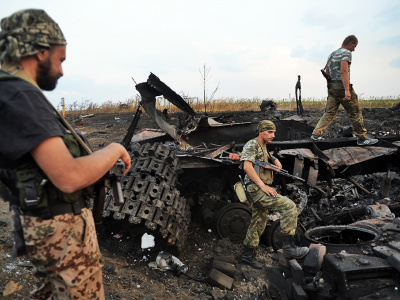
{"x":265,"y":125}
{"x":27,"y":32}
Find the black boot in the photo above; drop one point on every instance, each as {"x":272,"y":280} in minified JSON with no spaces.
{"x":247,"y":257}
{"x":290,"y":250}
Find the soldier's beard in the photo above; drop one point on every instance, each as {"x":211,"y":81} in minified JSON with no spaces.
{"x":44,"y":80}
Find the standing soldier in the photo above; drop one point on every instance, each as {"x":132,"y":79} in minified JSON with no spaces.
{"x":46,"y":172}
{"x":340,"y":91}
{"x":266,"y":199}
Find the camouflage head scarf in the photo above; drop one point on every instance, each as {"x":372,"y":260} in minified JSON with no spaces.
{"x":265,"y":125}
{"x":27,"y":32}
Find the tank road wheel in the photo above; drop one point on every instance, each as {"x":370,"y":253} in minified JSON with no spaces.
{"x":150,"y":196}
{"x":232,"y":222}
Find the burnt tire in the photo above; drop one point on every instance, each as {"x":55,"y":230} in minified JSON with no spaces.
{"x":150,"y":196}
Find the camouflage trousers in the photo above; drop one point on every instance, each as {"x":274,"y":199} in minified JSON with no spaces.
{"x":262,"y":205}
{"x":336,"y":94}
{"x":65,"y":255}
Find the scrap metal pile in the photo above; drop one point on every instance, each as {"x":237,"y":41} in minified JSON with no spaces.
{"x":179,"y":169}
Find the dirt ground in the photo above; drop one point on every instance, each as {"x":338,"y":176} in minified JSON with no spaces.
{"x":127,"y":274}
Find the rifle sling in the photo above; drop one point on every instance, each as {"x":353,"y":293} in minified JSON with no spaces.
{"x":69,"y":127}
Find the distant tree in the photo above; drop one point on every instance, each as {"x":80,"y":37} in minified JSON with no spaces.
{"x":205,"y":76}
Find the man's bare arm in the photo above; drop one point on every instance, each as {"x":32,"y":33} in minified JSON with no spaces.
{"x":251,"y":172}
{"x":70,"y":174}
{"x":344,"y":73}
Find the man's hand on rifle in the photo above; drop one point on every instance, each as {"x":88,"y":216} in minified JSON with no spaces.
{"x":251,"y":172}
{"x":234,"y":156}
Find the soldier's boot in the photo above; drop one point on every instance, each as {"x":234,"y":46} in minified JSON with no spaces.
{"x":247,"y":257}
{"x":290,"y":250}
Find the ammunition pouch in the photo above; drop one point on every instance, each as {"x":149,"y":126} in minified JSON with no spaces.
{"x":240,"y":192}
{"x":267,"y":176}
{"x":37,"y":192}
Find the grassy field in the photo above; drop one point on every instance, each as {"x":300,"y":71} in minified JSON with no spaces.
{"x":219,"y":105}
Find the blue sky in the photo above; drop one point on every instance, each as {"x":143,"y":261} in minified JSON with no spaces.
{"x":254,"y":48}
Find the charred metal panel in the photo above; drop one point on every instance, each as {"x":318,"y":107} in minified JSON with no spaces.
{"x":190,"y":161}
{"x":169,"y":94}
{"x":241,"y":133}
{"x":352,"y":275}
{"x":298,"y":166}
{"x":313,"y":174}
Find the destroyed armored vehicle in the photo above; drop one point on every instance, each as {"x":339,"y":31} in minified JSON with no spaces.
{"x":348,"y":212}
{"x":181,"y":170}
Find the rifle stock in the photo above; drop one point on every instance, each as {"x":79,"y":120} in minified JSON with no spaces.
{"x":327,"y":76}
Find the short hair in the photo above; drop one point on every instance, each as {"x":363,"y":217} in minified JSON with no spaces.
{"x":350,"y":39}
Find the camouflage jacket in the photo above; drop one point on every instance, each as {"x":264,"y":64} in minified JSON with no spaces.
{"x":252,"y":151}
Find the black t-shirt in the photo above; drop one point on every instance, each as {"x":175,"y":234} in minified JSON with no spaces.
{"x":26,"y":120}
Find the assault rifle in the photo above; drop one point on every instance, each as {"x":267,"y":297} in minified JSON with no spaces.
{"x":225,"y":155}
{"x":114,"y":176}
{"x":326,"y":75}
{"x":267,"y":165}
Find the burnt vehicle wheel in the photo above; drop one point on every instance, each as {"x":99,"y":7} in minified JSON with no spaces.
{"x":150,"y":196}
{"x":232,"y":222}
{"x":274,"y":235}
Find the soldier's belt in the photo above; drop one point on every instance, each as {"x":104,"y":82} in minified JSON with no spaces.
{"x":57,"y":209}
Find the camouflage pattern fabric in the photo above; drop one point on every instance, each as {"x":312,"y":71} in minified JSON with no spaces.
{"x":334,"y":61}
{"x":336,"y":94}
{"x":252,"y":151}
{"x":265,"y":125}
{"x":65,"y":255}
{"x":262,"y":205}
{"x":27,"y":32}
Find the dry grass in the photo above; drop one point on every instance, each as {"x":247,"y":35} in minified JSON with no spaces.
{"x":219,"y":105}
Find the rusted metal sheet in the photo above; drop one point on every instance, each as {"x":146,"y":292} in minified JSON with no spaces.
{"x":347,"y":156}
{"x":304,"y":152}
{"x":146,"y":134}
{"x":219,"y":150}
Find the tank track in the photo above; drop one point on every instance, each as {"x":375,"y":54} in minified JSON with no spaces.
{"x":150,"y":195}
